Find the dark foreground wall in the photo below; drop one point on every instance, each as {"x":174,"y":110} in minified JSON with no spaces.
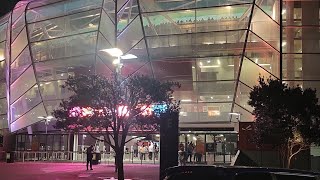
{"x":272,"y":159}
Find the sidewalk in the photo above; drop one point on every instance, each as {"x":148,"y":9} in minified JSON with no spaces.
{"x":55,"y":171}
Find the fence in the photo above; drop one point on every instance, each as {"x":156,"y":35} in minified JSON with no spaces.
{"x":71,"y":156}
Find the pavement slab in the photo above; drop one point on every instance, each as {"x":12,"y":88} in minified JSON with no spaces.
{"x":71,"y":171}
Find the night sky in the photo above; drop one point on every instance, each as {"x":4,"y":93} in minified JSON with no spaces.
{"x":6,"y":6}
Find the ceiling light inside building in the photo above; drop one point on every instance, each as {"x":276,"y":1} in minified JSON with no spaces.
{"x":218,"y":61}
{"x":186,"y":100}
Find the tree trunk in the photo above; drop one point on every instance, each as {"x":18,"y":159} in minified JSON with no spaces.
{"x":289,"y":162}
{"x":119,"y":164}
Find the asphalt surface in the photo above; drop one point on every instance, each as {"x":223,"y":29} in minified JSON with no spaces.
{"x":66,"y":171}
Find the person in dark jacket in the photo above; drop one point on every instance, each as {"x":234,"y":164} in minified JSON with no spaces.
{"x":89,"y":156}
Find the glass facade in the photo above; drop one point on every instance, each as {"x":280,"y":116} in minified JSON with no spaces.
{"x":215,"y":49}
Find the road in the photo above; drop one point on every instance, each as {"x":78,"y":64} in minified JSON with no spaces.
{"x":71,"y":171}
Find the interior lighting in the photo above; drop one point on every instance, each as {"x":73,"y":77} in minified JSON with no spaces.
{"x":188,"y":135}
{"x":47,"y":83}
{"x":1,"y":58}
{"x":228,"y":97}
{"x":284,"y":43}
{"x":214,"y":66}
{"x":228,"y":7}
{"x":211,"y":97}
{"x":208,"y":61}
{"x":284,"y":11}
{"x":218,"y":61}
{"x":129,"y":56}
{"x":231,"y":65}
{"x":92,"y":25}
{"x":115,"y":52}
{"x":201,"y":63}
{"x":234,"y":113}
{"x":157,"y":135}
{"x":256,"y":60}
{"x":264,"y":64}
{"x":194,"y":138}
{"x":193,"y":67}
{"x":186,"y":100}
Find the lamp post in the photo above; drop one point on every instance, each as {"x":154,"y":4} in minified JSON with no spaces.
{"x":46,"y":121}
{"x":116,"y":52}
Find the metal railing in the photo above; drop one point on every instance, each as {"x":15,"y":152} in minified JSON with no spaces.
{"x":72,"y":156}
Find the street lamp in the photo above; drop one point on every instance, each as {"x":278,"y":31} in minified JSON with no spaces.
{"x":116,"y":52}
{"x":46,"y":121}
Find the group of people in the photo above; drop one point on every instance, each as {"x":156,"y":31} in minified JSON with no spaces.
{"x":142,"y":150}
{"x":186,"y":153}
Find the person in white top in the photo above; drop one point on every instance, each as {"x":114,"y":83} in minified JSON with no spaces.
{"x":151,"y":150}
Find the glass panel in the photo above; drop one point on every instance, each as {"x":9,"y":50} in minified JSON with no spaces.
{"x":3,"y":106}
{"x":145,"y":70}
{"x":102,"y":69}
{"x":265,"y":28}
{"x":271,"y":7}
{"x":3,"y":91}
{"x":140,"y":51}
{"x":3,"y":122}
{"x":64,"y":47}
{"x":3,"y":29}
{"x":19,"y":44}
{"x":35,"y":4}
{"x":2,"y":71}
{"x":109,"y":7}
{"x":187,"y":93}
{"x":120,"y":4}
{"x":263,"y":54}
{"x":21,"y":85}
{"x":65,"y":26}
{"x":220,"y":91}
{"x":53,"y":90}
{"x":51,"y":105}
{"x":211,"y":112}
{"x":250,"y":73}
{"x":17,"y":13}
{"x":189,"y":113}
{"x":61,"y":8}
{"x":177,"y":70}
{"x":29,"y":100}
{"x":222,"y":18}
{"x":130,"y":36}
{"x":243,"y":115}
{"x":201,"y":44}
{"x":292,"y":66}
{"x":20,"y":64}
{"x":62,"y":68}
{"x":208,"y":3}
{"x":107,"y":28}
{"x":176,"y":22}
{"x":29,"y":118}
{"x":2,"y":51}
{"x":217,"y":68}
{"x":127,"y":14}
{"x":105,"y":57}
{"x":150,"y":6}
{"x":243,"y":96}
{"x":17,"y":27}
{"x":130,"y":67}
